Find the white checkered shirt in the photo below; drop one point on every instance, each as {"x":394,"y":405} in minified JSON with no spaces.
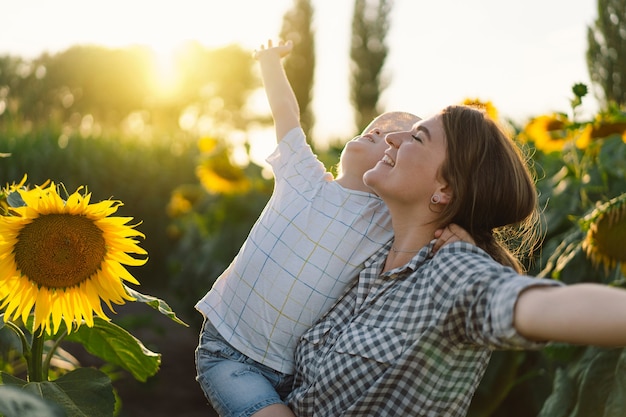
{"x":309,"y":244}
{"x":414,"y":341}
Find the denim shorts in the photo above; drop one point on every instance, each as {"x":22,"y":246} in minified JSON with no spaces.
{"x":236,"y":385}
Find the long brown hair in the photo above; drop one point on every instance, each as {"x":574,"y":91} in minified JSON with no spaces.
{"x":493,"y":192}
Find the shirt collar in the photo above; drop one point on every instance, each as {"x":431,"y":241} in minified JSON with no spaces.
{"x":378,"y":259}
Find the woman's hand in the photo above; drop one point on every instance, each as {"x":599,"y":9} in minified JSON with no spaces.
{"x":449,"y":234}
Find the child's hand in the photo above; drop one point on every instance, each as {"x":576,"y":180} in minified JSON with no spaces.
{"x":283,"y":49}
{"x":451,"y":233}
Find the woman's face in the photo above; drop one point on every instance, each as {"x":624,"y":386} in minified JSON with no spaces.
{"x":409,"y":170}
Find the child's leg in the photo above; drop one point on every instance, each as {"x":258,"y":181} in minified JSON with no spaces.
{"x":275,"y":410}
{"x":234,"y":384}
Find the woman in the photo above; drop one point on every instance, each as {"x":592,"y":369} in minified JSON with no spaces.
{"x":414,"y":335}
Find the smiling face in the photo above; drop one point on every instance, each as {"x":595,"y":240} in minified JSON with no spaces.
{"x":409,"y":171}
{"x":365,"y":150}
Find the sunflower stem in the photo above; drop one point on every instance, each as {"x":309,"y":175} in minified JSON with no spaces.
{"x":21,"y":335}
{"x":35,"y":362}
{"x":55,"y":346}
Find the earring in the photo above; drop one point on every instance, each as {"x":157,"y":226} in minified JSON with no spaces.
{"x":435,"y":199}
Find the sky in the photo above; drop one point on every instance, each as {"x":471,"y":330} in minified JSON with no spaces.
{"x":524,"y":57}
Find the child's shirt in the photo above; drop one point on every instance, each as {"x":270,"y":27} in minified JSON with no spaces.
{"x":309,"y":243}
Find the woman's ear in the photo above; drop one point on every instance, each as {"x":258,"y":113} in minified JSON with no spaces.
{"x":446,"y":194}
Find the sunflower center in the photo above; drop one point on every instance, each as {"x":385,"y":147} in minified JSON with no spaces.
{"x":60,"y":250}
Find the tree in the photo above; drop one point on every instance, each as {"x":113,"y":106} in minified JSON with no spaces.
{"x":606,"y":53}
{"x":112,"y":84}
{"x":368,"y":51}
{"x":300,"y":64}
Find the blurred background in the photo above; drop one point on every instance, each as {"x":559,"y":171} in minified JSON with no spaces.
{"x":160,"y":105}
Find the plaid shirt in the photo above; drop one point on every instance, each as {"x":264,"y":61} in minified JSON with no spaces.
{"x":413,"y":341}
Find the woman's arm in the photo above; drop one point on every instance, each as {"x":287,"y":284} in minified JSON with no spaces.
{"x":588,"y":314}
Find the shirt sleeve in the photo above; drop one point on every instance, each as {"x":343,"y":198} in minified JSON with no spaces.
{"x":477,"y":297}
{"x":293,"y":160}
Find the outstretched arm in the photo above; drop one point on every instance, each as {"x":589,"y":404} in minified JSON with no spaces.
{"x":588,"y":314}
{"x":280,"y":95}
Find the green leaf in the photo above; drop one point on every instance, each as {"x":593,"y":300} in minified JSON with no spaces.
{"x":84,"y":392}
{"x":616,"y":401}
{"x":592,"y":386}
{"x":15,"y":200}
{"x":15,"y":402}
{"x":563,"y":398}
{"x":8,"y":379}
{"x":115,"y":345}
{"x":156,"y":303}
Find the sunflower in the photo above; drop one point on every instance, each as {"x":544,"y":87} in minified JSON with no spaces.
{"x":548,"y":132}
{"x":217,"y":174}
{"x":487,"y":106}
{"x":62,"y":258}
{"x":606,"y":229}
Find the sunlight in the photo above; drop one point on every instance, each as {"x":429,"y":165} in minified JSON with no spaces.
{"x":166,"y":79}
{"x":262,"y":141}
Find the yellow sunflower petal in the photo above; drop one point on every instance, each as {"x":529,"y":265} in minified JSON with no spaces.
{"x":90,"y":291}
{"x":126,"y":259}
{"x":42,"y":310}
{"x":27,"y":302}
{"x":118,"y":270}
{"x":57,"y":311}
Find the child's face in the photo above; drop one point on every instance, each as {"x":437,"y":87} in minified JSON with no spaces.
{"x":365,"y":150}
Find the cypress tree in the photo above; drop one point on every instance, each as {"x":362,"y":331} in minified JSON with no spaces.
{"x":368,"y":51}
{"x":606,"y":53}
{"x":300,"y":64}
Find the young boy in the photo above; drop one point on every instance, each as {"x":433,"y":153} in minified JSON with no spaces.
{"x":308,"y":245}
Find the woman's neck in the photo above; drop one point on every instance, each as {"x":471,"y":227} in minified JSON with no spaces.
{"x":410,"y":236}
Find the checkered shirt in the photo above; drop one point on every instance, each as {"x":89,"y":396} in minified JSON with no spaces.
{"x":414,"y":341}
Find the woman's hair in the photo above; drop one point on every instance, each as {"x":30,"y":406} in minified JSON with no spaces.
{"x":493,"y":192}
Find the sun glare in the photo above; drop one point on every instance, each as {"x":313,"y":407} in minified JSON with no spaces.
{"x":166,"y":78}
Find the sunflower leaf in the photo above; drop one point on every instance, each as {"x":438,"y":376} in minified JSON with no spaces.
{"x":84,"y":392}
{"x":156,"y":303}
{"x":14,"y":200}
{"x":115,"y":345}
{"x":592,"y":385}
{"x":8,"y":379}
{"x":16,"y":402}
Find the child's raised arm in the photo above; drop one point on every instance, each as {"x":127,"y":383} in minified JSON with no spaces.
{"x":282,"y":100}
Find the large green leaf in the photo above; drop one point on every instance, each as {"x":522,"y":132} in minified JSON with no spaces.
{"x":15,"y":402}
{"x":156,"y":303}
{"x":613,"y":157}
{"x":595,"y":385}
{"x":115,"y":345}
{"x":84,"y":392}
